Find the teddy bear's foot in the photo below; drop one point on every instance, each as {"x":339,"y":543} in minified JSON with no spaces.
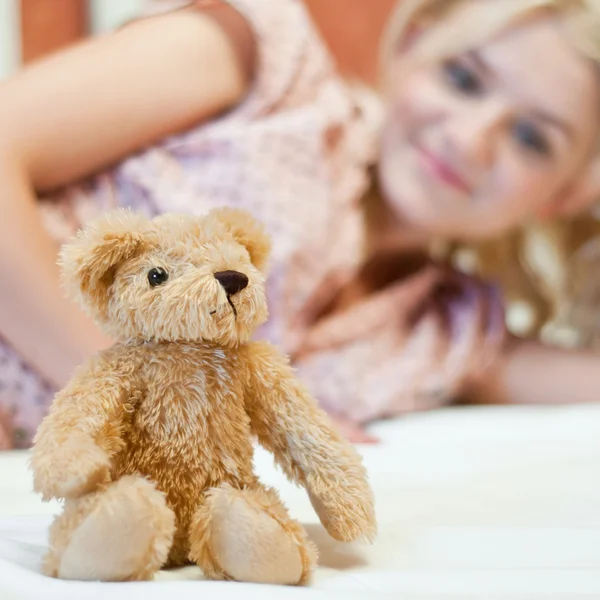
{"x":122,"y":533}
{"x":248,"y":535}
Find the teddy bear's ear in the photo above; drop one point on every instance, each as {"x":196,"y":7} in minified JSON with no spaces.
{"x":89,"y":261}
{"x":247,"y":231}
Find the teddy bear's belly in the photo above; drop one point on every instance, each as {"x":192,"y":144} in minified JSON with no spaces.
{"x":187,"y":445}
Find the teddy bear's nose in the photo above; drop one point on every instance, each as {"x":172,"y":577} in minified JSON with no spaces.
{"x":232,"y":281}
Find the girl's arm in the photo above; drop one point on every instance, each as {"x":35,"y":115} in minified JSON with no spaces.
{"x":530,"y":373}
{"x":82,"y":110}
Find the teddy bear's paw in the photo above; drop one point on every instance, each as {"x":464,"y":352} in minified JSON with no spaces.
{"x":77,"y":467}
{"x":123,"y":533}
{"x":346,"y":517}
{"x":247,"y":535}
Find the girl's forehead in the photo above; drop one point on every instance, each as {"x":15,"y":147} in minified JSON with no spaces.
{"x":536,"y":63}
{"x":537,"y":40}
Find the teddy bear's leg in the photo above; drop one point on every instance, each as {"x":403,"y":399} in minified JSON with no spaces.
{"x":121,"y":533}
{"x":248,"y":535}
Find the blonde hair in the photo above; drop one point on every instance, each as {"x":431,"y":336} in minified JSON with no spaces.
{"x":550,"y":272}
{"x":481,"y":19}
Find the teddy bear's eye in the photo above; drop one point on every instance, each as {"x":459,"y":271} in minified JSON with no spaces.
{"x":157,"y":276}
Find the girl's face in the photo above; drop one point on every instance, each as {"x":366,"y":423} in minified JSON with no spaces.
{"x":478,"y":142}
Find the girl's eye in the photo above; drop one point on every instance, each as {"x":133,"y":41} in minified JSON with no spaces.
{"x":529,"y":136}
{"x":462,"y":78}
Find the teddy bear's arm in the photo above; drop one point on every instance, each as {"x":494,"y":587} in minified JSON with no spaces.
{"x":73,"y":445}
{"x":289,"y":423}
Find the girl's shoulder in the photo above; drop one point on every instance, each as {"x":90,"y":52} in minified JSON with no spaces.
{"x":292,"y":59}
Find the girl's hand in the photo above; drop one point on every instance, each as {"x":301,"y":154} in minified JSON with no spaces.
{"x":470,"y":318}
{"x":354,"y":432}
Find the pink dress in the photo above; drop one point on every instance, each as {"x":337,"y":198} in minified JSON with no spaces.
{"x":295,"y":153}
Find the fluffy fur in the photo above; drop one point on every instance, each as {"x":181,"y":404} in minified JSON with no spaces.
{"x":150,"y":443}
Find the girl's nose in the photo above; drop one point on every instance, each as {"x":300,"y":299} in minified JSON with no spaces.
{"x":472,"y":134}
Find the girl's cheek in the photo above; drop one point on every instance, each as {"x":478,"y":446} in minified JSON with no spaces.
{"x":419,"y":100}
{"x":406,"y":109}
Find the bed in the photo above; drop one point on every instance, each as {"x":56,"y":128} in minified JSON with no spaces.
{"x":472,"y":503}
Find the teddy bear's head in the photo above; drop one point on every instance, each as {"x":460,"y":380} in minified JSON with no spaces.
{"x":171,"y":278}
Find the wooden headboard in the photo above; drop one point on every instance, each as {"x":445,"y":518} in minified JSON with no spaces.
{"x":47,"y":25}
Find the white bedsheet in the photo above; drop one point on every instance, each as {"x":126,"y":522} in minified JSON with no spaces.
{"x":472,"y":503}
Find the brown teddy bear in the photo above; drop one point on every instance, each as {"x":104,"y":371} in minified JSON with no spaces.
{"x":150,"y":443}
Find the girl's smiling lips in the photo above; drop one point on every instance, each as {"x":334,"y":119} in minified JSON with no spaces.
{"x":442,"y":170}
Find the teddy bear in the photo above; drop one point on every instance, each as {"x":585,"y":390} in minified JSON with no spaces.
{"x":150,"y":444}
